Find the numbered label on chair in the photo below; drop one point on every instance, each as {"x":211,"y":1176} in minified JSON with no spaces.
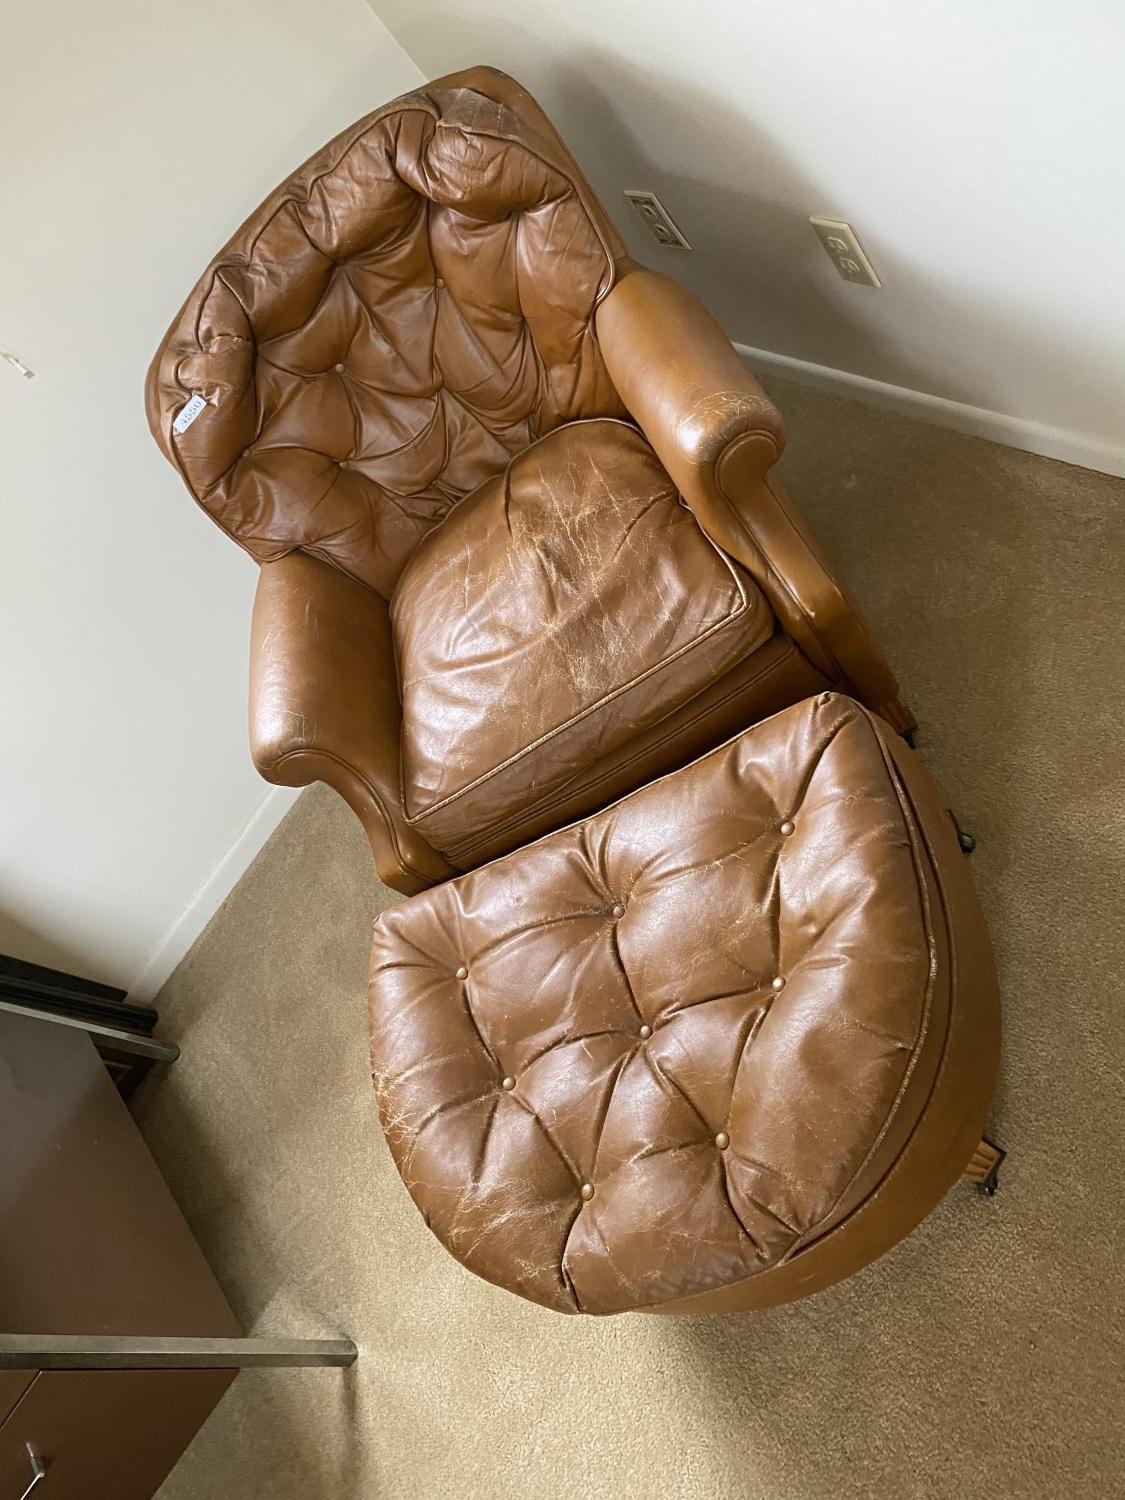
{"x":188,"y":414}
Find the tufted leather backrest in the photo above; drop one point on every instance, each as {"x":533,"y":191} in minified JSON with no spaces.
{"x":406,"y":312}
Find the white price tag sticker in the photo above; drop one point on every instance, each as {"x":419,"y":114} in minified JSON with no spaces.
{"x":188,"y":414}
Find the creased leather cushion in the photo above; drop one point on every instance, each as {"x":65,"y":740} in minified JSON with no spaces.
{"x":562,"y":608}
{"x":409,"y":309}
{"x":658,"y":1052}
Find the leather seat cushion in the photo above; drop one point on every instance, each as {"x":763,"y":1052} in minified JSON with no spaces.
{"x":566,"y":605}
{"x":666,"y":1049}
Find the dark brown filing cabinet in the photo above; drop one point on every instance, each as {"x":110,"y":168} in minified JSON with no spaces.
{"x":92,"y":1243}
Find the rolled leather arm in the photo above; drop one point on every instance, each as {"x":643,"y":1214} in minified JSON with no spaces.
{"x":679,"y":375}
{"x":324,"y":705}
{"x":718,"y":435}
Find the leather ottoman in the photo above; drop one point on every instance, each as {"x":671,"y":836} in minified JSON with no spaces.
{"x":714,"y":1047}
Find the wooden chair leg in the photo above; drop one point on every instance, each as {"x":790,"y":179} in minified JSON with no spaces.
{"x":898,"y":716}
{"x":984,"y":1166}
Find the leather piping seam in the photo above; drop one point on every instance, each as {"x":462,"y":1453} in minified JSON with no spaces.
{"x":912,"y":826}
{"x":458,"y":851}
{"x":368,"y":786}
{"x":857,"y":619}
{"x":745,"y":606}
{"x":646,"y":788}
{"x":809,"y":1237}
{"x":780,"y":580}
{"x":783,"y":582}
{"x":861,"y":1208}
{"x":894,"y":1170}
{"x":735,"y":438}
{"x":951,"y":937}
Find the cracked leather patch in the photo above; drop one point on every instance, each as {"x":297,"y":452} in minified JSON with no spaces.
{"x":650,"y":1054}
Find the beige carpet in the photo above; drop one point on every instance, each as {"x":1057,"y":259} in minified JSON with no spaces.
{"x":982,"y":1358}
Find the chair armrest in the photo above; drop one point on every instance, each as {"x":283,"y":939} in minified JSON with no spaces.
{"x":718,"y":435}
{"x":682,"y":380}
{"x":324,"y":705}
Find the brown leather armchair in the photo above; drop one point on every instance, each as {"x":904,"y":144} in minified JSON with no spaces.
{"x":521,"y":544}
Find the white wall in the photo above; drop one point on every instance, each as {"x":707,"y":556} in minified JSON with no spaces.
{"x":135,"y":136}
{"x":977,"y":148}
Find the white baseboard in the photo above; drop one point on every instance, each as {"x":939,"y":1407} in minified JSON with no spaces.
{"x":212,"y":893}
{"x":1014,"y":432}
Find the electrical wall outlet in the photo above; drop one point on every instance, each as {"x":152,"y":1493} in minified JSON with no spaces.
{"x":844,"y":250}
{"x":658,"y":221}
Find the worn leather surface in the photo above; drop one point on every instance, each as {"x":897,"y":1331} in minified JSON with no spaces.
{"x":718,"y":435}
{"x":769,"y":679}
{"x":665,"y":1051}
{"x":410,"y":309}
{"x":562,"y":608}
{"x":324,"y":706}
{"x":424,"y":300}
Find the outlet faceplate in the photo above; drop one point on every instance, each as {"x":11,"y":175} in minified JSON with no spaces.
{"x":844,"y":250}
{"x":658,"y":221}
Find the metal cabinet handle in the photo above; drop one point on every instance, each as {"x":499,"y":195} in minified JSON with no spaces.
{"x":38,"y":1471}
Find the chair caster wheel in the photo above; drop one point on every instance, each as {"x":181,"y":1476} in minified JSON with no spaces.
{"x":985,"y":1166}
{"x":966,"y":840}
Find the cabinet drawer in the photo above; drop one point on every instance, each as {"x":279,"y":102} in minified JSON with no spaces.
{"x":13,"y":1383}
{"x":105,"y":1434}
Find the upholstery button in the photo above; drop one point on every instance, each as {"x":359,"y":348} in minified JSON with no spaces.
{"x":345,"y":463}
{"x":462,"y":972}
{"x":786,"y":829}
{"x":617,"y":909}
{"x":439,"y":282}
{"x":646,"y":1032}
{"x":778,"y":983}
{"x":508,"y":1083}
{"x":586,"y":1191}
{"x":722,"y":1140}
{"x":339,"y":369}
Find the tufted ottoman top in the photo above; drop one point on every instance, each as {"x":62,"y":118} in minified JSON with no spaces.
{"x":664,"y":1049}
